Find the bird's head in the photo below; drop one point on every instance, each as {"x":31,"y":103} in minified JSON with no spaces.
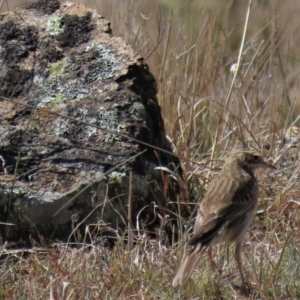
{"x":250,"y":160}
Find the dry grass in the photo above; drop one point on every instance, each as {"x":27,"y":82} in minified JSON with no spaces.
{"x":190,"y":49}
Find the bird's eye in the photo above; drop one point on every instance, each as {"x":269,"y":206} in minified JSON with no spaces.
{"x":256,"y":157}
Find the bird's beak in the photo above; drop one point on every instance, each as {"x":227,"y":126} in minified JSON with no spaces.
{"x":265,"y":165}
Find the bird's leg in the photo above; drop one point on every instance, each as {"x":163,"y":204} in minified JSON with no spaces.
{"x":238,"y":259}
{"x":246,"y":287}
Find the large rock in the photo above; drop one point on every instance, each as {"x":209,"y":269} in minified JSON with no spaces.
{"x":71,"y":97}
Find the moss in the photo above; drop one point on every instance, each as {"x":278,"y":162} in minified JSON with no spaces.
{"x":16,"y":42}
{"x":14,"y":81}
{"x":75,"y":30}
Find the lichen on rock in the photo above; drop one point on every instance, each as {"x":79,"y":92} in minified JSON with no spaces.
{"x":74,"y":101}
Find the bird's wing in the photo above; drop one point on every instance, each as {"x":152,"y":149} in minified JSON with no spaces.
{"x":225,"y":199}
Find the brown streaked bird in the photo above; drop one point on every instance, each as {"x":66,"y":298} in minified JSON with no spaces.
{"x":226,"y":211}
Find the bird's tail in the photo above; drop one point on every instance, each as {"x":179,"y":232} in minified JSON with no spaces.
{"x":187,"y":266}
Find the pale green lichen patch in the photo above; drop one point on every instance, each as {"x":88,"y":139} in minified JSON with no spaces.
{"x":58,"y":67}
{"x":57,"y":99}
{"x":54,"y":100}
{"x":116,"y":177}
{"x":53,"y":26}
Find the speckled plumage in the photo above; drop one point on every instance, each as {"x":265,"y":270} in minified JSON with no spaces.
{"x":226,"y":211}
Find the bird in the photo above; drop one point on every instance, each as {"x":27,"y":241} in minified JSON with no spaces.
{"x":226,"y":211}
